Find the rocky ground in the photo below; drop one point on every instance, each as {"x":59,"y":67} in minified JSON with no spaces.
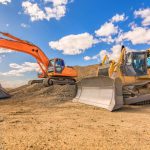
{"x":44,"y":118}
{"x":38,"y":117}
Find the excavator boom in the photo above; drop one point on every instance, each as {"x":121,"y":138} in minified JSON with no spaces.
{"x":16,"y":44}
{"x":53,"y":70}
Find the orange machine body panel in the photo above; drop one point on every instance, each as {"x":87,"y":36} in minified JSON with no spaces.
{"x":67,"y":71}
{"x":16,"y":44}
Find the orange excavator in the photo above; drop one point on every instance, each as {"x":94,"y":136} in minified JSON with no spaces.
{"x":53,"y":71}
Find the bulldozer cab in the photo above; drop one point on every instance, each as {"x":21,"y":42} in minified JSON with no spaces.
{"x":107,"y":90}
{"x":148,"y":60}
{"x":56,"y":65}
{"x":135,"y":64}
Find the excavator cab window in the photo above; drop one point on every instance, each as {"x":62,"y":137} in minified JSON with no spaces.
{"x":56,"y":65}
{"x":59,"y":65}
{"x":135,"y":64}
{"x":52,"y":62}
{"x":51,"y":65}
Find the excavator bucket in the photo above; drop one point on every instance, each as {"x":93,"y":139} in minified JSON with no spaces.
{"x":3,"y":93}
{"x":100,"y":91}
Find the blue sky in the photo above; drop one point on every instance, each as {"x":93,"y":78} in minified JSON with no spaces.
{"x":87,"y":26}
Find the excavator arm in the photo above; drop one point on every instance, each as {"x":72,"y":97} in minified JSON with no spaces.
{"x":13,"y":43}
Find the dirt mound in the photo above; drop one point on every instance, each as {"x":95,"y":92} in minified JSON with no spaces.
{"x":86,"y":71}
{"x":62,"y":92}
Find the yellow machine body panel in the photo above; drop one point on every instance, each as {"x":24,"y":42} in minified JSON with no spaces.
{"x":118,"y":82}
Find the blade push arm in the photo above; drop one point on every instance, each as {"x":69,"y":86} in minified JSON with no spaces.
{"x":16,"y":44}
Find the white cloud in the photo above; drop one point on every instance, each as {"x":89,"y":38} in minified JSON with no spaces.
{"x":73,"y":44}
{"x":107,"y":39}
{"x":98,"y":57}
{"x":118,"y":18}
{"x":5,"y":2}
{"x":57,"y":2}
{"x":103,"y":53}
{"x":132,"y":25}
{"x":57,"y":10}
{"x":138,"y":35}
{"x":3,"y":50}
{"x":19,"y":70}
{"x":107,"y":29}
{"x":116,"y":51}
{"x":1,"y":58}
{"x":145,"y":14}
{"x":33,"y":11}
{"x":114,"y":54}
{"x":91,"y":58}
{"x":24,"y":25}
{"x":87,"y":58}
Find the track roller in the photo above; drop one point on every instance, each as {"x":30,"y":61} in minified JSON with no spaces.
{"x":47,"y":82}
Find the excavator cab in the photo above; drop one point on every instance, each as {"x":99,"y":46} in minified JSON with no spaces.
{"x":52,"y":71}
{"x":56,"y":65}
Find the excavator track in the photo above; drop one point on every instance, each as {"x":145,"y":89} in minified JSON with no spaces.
{"x":58,"y":81}
{"x":34,"y":81}
{"x":54,"y":80}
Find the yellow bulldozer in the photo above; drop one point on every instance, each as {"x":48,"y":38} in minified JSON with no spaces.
{"x":121,"y":82}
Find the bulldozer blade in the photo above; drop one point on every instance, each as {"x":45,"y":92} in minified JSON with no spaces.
{"x":100,"y":91}
{"x":3,"y":93}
